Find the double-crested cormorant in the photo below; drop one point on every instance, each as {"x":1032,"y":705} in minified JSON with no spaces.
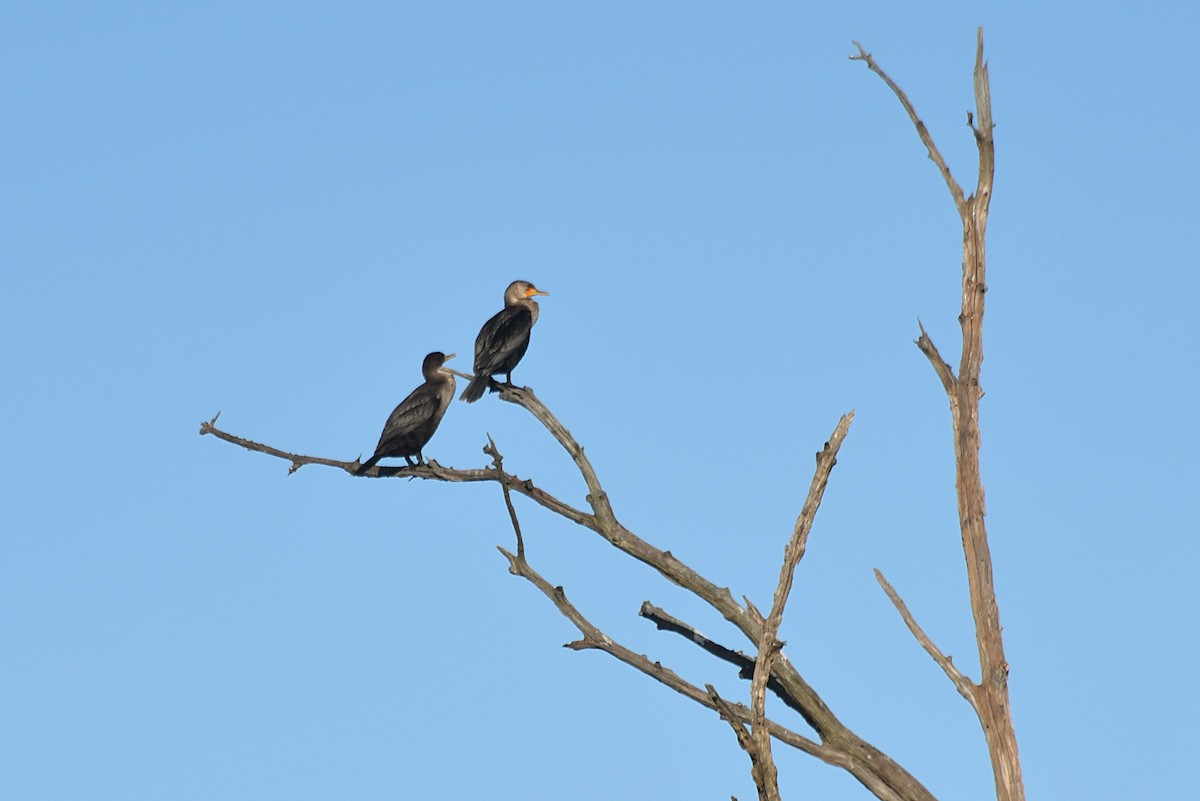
{"x":503,"y":339}
{"x":412,"y":423}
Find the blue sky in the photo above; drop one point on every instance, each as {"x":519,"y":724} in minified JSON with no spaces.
{"x":275,"y":211}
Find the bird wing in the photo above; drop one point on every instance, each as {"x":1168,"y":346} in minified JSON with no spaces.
{"x":506,"y":334}
{"x":414,"y":411}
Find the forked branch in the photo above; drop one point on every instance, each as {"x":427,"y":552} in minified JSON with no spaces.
{"x":595,"y":639}
{"x":990,"y":697}
{"x":838,"y":745}
{"x":762,"y":762}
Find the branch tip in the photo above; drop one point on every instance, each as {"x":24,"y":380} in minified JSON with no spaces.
{"x":207,"y":427}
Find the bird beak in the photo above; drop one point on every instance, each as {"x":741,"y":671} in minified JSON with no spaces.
{"x":449,"y":356}
{"x":529,"y":293}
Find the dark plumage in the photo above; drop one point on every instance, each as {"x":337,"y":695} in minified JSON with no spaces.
{"x":412,"y":423}
{"x":503,"y":339}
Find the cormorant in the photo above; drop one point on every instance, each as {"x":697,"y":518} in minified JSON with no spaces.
{"x":503,"y":339}
{"x":412,"y":423}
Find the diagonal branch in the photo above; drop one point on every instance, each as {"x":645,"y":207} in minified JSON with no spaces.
{"x":594,"y":638}
{"x":665,"y":622}
{"x":770,"y":645}
{"x":498,"y":463}
{"x":935,"y":155}
{"x":597,"y":497}
{"x":745,"y":664}
{"x":964,"y":685}
{"x":940,"y":366}
{"x":729,"y":714}
{"x":765,"y":784}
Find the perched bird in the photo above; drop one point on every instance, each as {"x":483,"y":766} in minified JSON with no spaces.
{"x":412,"y":423}
{"x":503,"y":339}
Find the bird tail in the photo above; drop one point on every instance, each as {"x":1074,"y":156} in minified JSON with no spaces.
{"x":367,"y":465}
{"x":475,"y":388}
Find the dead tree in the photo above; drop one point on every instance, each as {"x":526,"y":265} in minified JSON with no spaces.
{"x":766,"y":666}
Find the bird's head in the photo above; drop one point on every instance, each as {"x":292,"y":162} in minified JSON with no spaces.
{"x":521,"y":290}
{"x":434,"y":361}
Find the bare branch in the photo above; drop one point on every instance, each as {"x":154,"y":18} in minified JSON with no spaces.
{"x":764,"y":766}
{"x":604,"y":523}
{"x":814,"y":710}
{"x":730,"y":716}
{"x":744,"y":663}
{"x":432,"y":470}
{"x":597,"y":497}
{"x":882,"y":782}
{"x":964,"y":685}
{"x":498,"y":463}
{"x":984,"y":131}
{"x":840,"y":746}
{"x":755,"y":615}
{"x":665,"y":622}
{"x":943,"y":370}
{"x":995,"y":708}
{"x":935,"y":155}
{"x":467,"y":376}
{"x":766,"y":785}
{"x":975,"y":219}
{"x":297,"y":460}
{"x":990,"y":697}
{"x":594,"y":638}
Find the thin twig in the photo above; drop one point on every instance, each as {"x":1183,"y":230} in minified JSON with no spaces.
{"x":935,"y":155}
{"x":964,"y":685}
{"x":297,"y":460}
{"x":498,"y":463}
{"x":431,"y":471}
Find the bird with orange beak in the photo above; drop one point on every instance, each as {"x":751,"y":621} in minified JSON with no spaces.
{"x":504,"y":339}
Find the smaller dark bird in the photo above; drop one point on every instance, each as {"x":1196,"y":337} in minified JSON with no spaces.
{"x":504,"y":339}
{"x":412,"y":423}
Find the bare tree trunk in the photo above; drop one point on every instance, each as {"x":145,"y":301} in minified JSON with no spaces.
{"x":990,"y":696}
